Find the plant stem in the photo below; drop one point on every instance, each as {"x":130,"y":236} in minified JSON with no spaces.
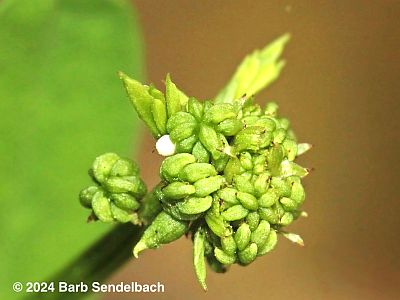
{"x":105,"y":256}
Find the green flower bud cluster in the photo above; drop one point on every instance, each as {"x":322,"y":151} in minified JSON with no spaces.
{"x":117,"y":191}
{"x":233,"y":186}
{"x":229,"y":179}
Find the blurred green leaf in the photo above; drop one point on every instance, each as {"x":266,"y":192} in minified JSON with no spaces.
{"x":256,"y":71}
{"x":61,"y":105}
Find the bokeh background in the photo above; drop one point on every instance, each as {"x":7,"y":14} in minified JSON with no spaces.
{"x":339,"y":89}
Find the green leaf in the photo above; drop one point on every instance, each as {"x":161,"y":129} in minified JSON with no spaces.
{"x":61,"y":105}
{"x":257,"y":71}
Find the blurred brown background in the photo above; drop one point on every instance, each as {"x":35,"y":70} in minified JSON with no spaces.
{"x":340,"y":91}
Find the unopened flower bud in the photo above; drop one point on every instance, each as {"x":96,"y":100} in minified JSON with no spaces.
{"x":242,"y":236}
{"x":223,"y":257}
{"x":195,"y":205}
{"x":236,"y":212}
{"x":219,"y":112}
{"x":270,"y":243}
{"x":102,"y":166}
{"x":178,"y":190}
{"x":173,"y":165}
{"x":248,"y":254}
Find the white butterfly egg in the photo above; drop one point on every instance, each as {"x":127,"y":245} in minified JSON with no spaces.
{"x":165,"y":146}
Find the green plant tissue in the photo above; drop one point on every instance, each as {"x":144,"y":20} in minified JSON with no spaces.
{"x":58,"y":110}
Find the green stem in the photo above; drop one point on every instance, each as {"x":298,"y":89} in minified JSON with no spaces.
{"x":106,"y":255}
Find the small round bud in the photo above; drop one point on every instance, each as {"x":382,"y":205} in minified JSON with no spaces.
{"x":219,"y":112}
{"x":286,"y":219}
{"x":195,"y":205}
{"x":228,"y":195}
{"x":253,"y":219}
{"x":248,"y":200}
{"x":186,"y":145}
{"x":124,"y":167}
{"x":196,"y":171}
{"x":270,"y":243}
{"x":230,"y":127}
{"x":209,"y":138}
{"x":125,"y":201}
{"x":173,"y":165}
{"x":195,"y":108}
{"x":236,"y":212}
{"x":223,"y":257}
{"x":208,"y":185}
{"x":86,"y":196}
{"x":268,"y":199}
{"x":102,"y":166}
{"x":242,"y":236}
{"x":298,"y":193}
{"x":260,"y":235}
{"x":269,"y":215}
{"x":181,"y":132}
{"x":248,"y":254}
{"x":102,"y":207}
{"x":120,"y":215}
{"x":201,"y":154}
{"x":178,"y":190}
{"x":288,"y":204}
{"x":228,"y":244}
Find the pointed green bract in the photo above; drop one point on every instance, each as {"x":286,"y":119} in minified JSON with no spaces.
{"x":163,"y":230}
{"x":175,"y":98}
{"x":142,"y":101}
{"x":198,"y":258}
{"x":159,"y":112}
{"x":256,"y":72}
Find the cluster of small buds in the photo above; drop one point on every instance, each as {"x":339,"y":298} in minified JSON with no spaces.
{"x":229,"y":179}
{"x":189,"y":186}
{"x":257,"y":203}
{"x":203,"y":129}
{"x":117,"y":191}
